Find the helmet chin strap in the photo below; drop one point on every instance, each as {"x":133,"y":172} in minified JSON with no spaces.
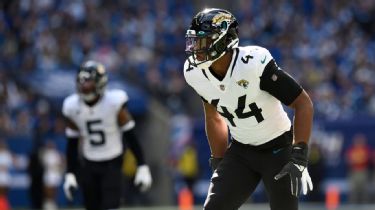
{"x":233,"y":44}
{"x":204,"y":64}
{"x":207,"y":64}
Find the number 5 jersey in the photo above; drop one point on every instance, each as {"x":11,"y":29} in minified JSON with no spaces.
{"x":98,"y":126}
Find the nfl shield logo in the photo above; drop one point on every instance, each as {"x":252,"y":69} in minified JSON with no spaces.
{"x":222,"y":87}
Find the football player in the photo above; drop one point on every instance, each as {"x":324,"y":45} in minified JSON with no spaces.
{"x":100,"y":119}
{"x":243,"y":89}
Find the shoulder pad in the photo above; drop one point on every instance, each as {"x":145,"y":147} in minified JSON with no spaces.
{"x":189,"y":71}
{"x":261,"y":57}
{"x":188,"y":66}
{"x":118,"y":96}
{"x":260,"y":54}
{"x":70,"y":104}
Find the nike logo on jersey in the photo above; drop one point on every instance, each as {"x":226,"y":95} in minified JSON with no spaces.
{"x":264,"y":60}
{"x":277,"y":150}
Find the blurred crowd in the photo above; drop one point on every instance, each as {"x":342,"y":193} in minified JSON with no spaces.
{"x":327,"y":45}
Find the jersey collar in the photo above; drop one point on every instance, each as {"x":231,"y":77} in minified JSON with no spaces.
{"x":222,"y":85}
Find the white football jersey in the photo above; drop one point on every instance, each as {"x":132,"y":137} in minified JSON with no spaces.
{"x":253,"y":116}
{"x":98,"y":126}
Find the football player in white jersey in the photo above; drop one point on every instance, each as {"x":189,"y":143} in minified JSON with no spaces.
{"x":243,"y":89}
{"x":100,"y":119}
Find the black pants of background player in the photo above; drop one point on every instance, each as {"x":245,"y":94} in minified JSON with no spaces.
{"x":101,"y":184}
{"x":36,"y":170}
{"x":243,"y":167}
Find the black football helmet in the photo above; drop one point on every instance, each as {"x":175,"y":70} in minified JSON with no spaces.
{"x":91,"y":80}
{"x":212,"y":33}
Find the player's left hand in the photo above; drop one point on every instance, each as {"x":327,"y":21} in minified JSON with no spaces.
{"x":296,"y":168}
{"x":143,"y":178}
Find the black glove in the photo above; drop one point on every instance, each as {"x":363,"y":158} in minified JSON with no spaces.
{"x":296,"y":168}
{"x":214,"y":163}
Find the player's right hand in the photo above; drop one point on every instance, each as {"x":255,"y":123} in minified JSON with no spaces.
{"x":70,"y":184}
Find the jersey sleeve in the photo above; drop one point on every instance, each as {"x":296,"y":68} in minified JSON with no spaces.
{"x":187,"y":73}
{"x":279,"y":83}
{"x":69,"y":111}
{"x":190,"y":76}
{"x":67,"y":108}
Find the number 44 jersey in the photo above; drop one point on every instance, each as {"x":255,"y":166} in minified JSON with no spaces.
{"x":253,"y":115}
{"x":98,"y":126}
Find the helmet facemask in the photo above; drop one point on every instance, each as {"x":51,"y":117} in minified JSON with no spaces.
{"x":201,"y":47}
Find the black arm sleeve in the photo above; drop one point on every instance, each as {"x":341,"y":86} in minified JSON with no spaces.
{"x":129,"y":138}
{"x":279,"y":83}
{"x":72,"y":155}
